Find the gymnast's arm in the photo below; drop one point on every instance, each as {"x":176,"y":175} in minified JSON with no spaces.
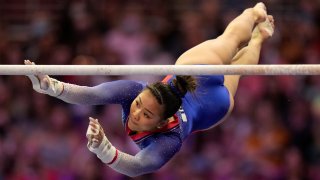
{"x":114,"y":92}
{"x":161,"y":149}
{"x":149,"y":159}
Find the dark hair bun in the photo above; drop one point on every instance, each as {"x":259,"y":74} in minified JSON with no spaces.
{"x":185,"y":84}
{"x":170,"y":95}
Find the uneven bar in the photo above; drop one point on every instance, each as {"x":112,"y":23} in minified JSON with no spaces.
{"x":284,"y":69}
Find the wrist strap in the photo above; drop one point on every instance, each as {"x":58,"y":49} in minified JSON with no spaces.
{"x":106,"y":152}
{"x":55,"y":87}
{"x":114,"y":158}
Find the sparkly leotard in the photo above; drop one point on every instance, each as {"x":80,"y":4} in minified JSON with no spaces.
{"x":200,"y":111}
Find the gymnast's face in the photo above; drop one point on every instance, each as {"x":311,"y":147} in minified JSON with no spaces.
{"x":145,"y":113}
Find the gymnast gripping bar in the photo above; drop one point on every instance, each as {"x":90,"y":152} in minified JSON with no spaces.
{"x":310,"y":69}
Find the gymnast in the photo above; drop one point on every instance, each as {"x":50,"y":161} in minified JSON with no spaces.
{"x":158,"y":117}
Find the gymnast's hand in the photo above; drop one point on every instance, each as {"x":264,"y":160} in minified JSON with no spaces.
{"x":99,"y":144}
{"x":95,"y":133}
{"x":44,"y":84}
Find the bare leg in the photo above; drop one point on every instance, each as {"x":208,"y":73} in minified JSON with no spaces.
{"x":222,"y":49}
{"x":248,"y":55}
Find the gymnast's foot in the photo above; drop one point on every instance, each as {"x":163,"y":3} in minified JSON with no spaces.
{"x":260,"y":12}
{"x":264,"y":30}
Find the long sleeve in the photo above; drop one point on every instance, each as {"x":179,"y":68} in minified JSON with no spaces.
{"x":161,"y":149}
{"x":114,"y":92}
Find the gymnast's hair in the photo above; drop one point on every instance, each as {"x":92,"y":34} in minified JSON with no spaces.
{"x":170,"y":95}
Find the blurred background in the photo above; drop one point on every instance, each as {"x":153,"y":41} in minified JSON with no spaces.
{"x":273,"y":133}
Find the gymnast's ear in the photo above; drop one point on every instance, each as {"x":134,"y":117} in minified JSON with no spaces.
{"x":162,"y":124}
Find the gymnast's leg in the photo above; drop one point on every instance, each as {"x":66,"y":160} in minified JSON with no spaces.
{"x":222,"y":49}
{"x":248,"y":55}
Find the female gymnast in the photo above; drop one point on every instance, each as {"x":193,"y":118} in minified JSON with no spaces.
{"x":159,"y":117}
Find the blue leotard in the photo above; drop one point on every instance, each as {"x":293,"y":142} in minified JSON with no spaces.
{"x":200,"y":111}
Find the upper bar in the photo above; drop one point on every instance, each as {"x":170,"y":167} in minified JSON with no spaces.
{"x":297,"y":69}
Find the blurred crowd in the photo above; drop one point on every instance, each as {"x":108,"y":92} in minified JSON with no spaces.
{"x":273,"y":132}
